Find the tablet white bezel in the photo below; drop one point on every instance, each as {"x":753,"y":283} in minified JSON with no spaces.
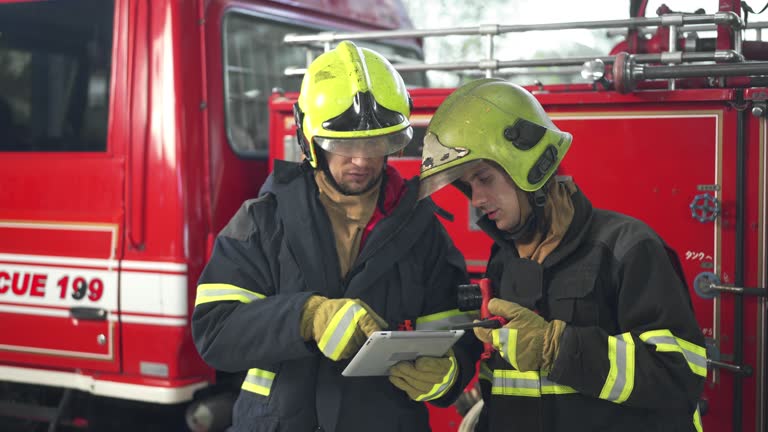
{"x":384,"y":349}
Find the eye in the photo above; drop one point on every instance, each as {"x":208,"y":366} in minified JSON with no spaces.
{"x":485,"y":179}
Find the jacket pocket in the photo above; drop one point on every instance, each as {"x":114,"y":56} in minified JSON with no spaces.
{"x":521,"y":282}
{"x":258,"y":424}
{"x":251,"y":414}
{"x":572,"y":298}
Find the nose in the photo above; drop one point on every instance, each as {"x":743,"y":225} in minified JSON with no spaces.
{"x":361,"y":162}
{"x":478,"y":197}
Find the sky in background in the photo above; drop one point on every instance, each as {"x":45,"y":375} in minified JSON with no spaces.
{"x":431,"y":14}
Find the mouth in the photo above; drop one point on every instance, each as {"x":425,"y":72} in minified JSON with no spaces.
{"x":357,"y":175}
{"x":492,"y":214}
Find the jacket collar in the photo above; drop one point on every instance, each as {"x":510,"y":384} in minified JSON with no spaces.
{"x":308,"y":229}
{"x":576,"y":232}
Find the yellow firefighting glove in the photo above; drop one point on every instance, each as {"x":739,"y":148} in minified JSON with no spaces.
{"x":339,"y":326}
{"x":528,"y":342}
{"x":426,"y":378}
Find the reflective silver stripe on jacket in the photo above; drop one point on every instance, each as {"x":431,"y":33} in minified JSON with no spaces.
{"x":665,"y":341}
{"x":621,"y":376}
{"x":213,"y":292}
{"x":527,"y":384}
{"x":515,"y":383}
{"x":259,"y":381}
{"x":340,"y":330}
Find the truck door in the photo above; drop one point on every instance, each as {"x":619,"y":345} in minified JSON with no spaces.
{"x":61,"y":187}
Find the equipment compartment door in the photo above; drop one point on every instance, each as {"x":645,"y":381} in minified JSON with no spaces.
{"x":673,"y":166}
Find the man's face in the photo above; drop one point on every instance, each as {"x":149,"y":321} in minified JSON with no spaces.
{"x":494,"y":193}
{"x":355,"y":175}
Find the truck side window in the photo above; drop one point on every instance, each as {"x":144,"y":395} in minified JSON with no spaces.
{"x":54,"y":84}
{"x":255,"y":59}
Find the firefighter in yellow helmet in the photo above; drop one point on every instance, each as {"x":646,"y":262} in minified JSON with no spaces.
{"x":600,"y":331}
{"x":337,"y":247}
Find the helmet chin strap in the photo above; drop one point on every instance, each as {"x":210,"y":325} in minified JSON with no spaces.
{"x":538,"y":200}
{"x":535,"y":219}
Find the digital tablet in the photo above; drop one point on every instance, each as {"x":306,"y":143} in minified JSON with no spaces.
{"x":384,"y":349}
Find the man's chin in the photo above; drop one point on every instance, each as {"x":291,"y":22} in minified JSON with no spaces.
{"x":357,"y":188}
{"x":504,"y":226}
{"x":353,"y":189}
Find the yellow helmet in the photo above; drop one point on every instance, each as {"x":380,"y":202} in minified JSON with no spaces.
{"x":491,"y":119}
{"x":352,"y":103}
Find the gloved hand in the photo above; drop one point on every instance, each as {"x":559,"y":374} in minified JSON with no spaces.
{"x":339,"y":326}
{"x":528,"y":342}
{"x":426,"y":378}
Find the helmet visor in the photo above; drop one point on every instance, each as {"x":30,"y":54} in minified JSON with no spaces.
{"x":435,"y":182}
{"x":434,"y":158}
{"x":435,"y":154}
{"x":367,"y":147}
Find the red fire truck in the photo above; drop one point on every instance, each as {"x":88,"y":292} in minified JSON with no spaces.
{"x":672,"y":130}
{"x":130,"y":132}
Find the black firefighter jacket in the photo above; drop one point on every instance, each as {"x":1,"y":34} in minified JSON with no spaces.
{"x":632,"y":357}
{"x":276,"y":252}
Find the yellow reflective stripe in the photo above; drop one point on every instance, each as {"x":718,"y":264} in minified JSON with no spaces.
{"x":527,"y":384}
{"x":340,"y":330}
{"x":212,"y":292}
{"x":557,"y":389}
{"x":443,"y":320}
{"x":485,"y":372}
{"x":515,"y":383}
{"x":553,"y":388}
{"x":258,"y":381}
{"x":505,"y":342}
{"x":697,"y":420}
{"x":610,"y":380}
{"x":621,"y":375}
{"x":630,"y":385}
{"x":665,"y":341}
{"x":443,"y":386}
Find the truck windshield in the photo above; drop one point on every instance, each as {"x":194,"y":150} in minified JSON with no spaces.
{"x":54,"y":75}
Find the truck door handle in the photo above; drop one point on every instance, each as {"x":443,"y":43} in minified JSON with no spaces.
{"x":745,"y":370}
{"x":88,"y":313}
{"x":707,"y":285}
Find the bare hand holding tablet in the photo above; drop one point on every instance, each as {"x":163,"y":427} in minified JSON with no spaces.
{"x":384,"y":349}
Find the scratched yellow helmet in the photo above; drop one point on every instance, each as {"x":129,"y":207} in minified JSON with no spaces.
{"x":491,"y":119}
{"x":352,"y":103}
